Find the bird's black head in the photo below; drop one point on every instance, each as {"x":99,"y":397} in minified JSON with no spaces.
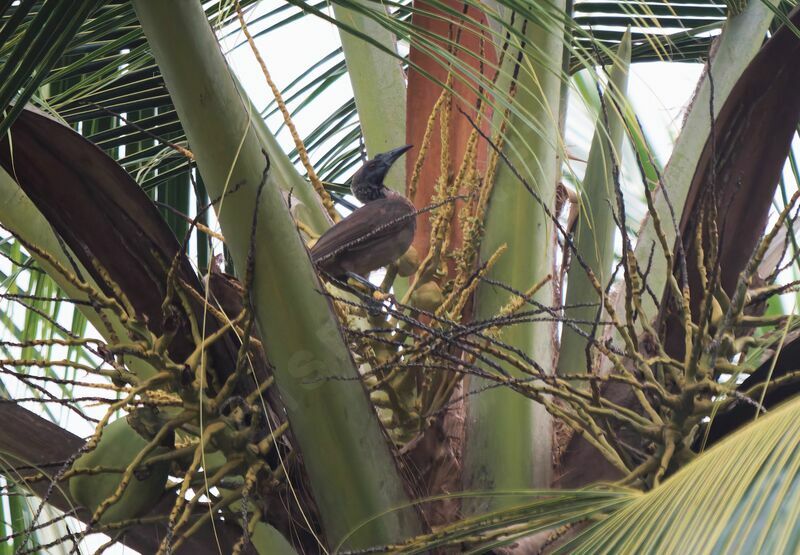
{"x":367,"y":184}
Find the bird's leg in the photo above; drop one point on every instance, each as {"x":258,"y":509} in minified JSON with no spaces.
{"x":388,"y":279}
{"x":357,"y":285}
{"x":376,"y":296}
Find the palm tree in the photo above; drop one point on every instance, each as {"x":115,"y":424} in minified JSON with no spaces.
{"x":509,"y":353}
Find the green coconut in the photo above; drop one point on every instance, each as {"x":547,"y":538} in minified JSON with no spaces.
{"x":118,"y":446}
{"x":428,"y":296}
{"x":408,"y":263}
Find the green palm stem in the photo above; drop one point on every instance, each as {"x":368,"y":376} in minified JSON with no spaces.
{"x":352,"y":473}
{"x":508,"y":442}
{"x":379,"y":84}
{"x":594,"y":235}
{"x":305,"y":202}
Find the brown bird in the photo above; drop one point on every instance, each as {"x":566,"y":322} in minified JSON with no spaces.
{"x":374,"y":235}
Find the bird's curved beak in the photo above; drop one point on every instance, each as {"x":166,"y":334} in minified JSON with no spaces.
{"x":390,"y":157}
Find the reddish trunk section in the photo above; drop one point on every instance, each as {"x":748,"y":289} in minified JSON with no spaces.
{"x":423,"y":94}
{"x":437,"y":455}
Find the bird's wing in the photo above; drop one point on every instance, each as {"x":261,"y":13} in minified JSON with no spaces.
{"x":374,"y":220}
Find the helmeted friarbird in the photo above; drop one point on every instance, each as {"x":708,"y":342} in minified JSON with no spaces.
{"x":375,"y":234}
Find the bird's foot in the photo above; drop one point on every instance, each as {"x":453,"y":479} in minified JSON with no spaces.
{"x":360,"y":283}
{"x":382,"y":296}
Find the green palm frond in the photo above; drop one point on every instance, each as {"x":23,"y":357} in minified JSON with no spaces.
{"x":742,"y":496}
{"x":34,"y":35}
{"x":105,"y":69}
{"x":534,"y":511}
{"x":89,"y":65}
{"x":674,"y":31}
